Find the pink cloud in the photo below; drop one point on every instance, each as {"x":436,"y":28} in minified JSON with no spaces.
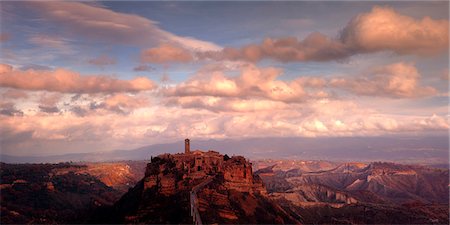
{"x":123,"y":103}
{"x":166,"y":53}
{"x":399,"y":80}
{"x":255,"y":88}
{"x":102,"y":60}
{"x":445,"y":75}
{"x":384,"y":29}
{"x":315,"y":47}
{"x":14,"y":94}
{"x":253,"y":82}
{"x":61,"y":80}
{"x":4,"y":37}
{"x":105,"y":25}
{"x":218,"y":104}
{"x":249,"y":118}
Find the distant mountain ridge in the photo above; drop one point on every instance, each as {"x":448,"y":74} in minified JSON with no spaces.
{"x":430,"y":150}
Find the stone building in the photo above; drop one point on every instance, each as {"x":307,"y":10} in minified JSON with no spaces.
{"x":198,"y":165}
{"x":187,"y":146}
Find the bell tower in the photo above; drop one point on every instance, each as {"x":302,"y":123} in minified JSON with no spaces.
{"x":187,"y":148}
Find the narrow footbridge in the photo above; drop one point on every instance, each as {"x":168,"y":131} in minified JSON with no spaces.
{"x":194,"y":200}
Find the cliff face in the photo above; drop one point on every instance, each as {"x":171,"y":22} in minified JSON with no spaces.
{"x":51,"y":194}
{"x":168,"y":174}
{"x":235,"y":194}
{"x":360,"y":193}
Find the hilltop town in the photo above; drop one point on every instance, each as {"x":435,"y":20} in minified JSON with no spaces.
{"x":173,"y":172}
{"x":206,"y":185}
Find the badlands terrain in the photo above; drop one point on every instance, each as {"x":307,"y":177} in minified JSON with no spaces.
{"x":240,"y":191}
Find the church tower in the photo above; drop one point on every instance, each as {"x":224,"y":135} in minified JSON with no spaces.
{"x":187,"y":148}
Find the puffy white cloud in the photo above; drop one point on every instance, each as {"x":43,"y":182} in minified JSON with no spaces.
{"x":400,"y":80}
{"x":218,"y":104}
{"x":158,"y":123}
{"x":123,"y":103}
{"x":62,"y":80}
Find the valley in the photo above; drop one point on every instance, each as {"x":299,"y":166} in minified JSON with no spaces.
{"x":278,"y":191}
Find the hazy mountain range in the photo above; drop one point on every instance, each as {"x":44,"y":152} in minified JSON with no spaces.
{"x":426,"y":150}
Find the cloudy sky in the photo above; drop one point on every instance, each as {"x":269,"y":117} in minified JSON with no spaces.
{"x":96,"y":76}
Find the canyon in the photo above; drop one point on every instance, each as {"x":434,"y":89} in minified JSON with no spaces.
{"x":209,"y":187}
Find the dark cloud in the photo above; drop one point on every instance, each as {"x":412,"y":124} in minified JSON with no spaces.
{"x":34,"y":67}
{"x":96,"y":105}
{"x":141,"y":68}
{"x":77,"y":110}
{"x":8,"y":109}
{"x":75,"y":97}
{"x":49,"y":109}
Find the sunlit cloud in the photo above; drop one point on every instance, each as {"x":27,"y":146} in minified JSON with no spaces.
{"x":382,"y":29}
{"x":105,"y":25}
{"x":62,"y":80}
{"x":154,"y":122}
{"x":396,"y":80}
{"x":166,"y":53}
{"x":260,"y":85}
{"x":253,"y":82}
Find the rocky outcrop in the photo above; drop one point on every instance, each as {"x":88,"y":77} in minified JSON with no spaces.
{"x":171,"y":173}
{"x":233,"y":194}
{"x":238,"y":175}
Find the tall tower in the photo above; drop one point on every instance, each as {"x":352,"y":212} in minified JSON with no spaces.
{"x":187,"y":148}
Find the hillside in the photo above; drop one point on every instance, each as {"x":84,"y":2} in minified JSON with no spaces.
{"x":233,"y":194}
{"x":226,"y":191}
{"x":64,"y":192}
{"x":415,"y":194}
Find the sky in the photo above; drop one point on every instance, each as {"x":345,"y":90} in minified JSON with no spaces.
{"x":102,"y":75}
